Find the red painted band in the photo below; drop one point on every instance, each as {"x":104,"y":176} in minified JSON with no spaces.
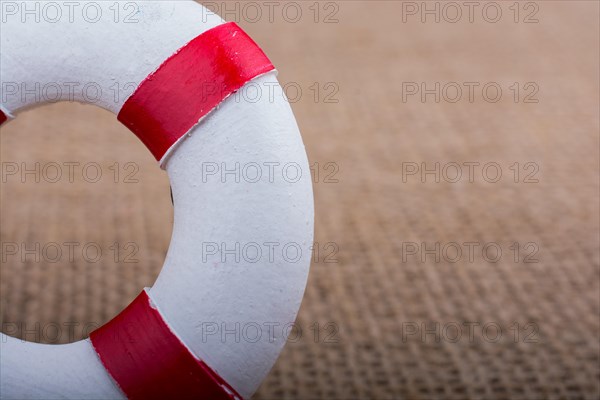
{"x":148,"y":361}
{"x":190,"y":84}
{"x":3,"y":118}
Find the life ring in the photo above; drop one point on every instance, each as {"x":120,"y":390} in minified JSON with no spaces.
{"x":182,"y":338}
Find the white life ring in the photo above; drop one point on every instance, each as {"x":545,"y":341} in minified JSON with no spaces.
{"x":180,"y":45}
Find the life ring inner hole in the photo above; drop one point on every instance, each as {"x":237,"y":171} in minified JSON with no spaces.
{"x":86,"y":220}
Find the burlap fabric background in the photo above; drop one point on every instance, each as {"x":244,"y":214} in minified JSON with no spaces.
{"x":377,"y":321}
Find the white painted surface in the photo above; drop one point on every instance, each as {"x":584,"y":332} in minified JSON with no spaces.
{"x":66,"y":60}
{"x":210,"y":291}
{"x":197,"y":291}
{"x":37,"y":371}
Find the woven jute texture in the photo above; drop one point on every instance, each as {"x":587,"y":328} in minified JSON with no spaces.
{"x":476,"y":285}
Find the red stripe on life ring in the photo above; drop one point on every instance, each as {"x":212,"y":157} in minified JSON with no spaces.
{"x":3,"y":117}
{"x":148,"y":361}
{"x":191,"y":83}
